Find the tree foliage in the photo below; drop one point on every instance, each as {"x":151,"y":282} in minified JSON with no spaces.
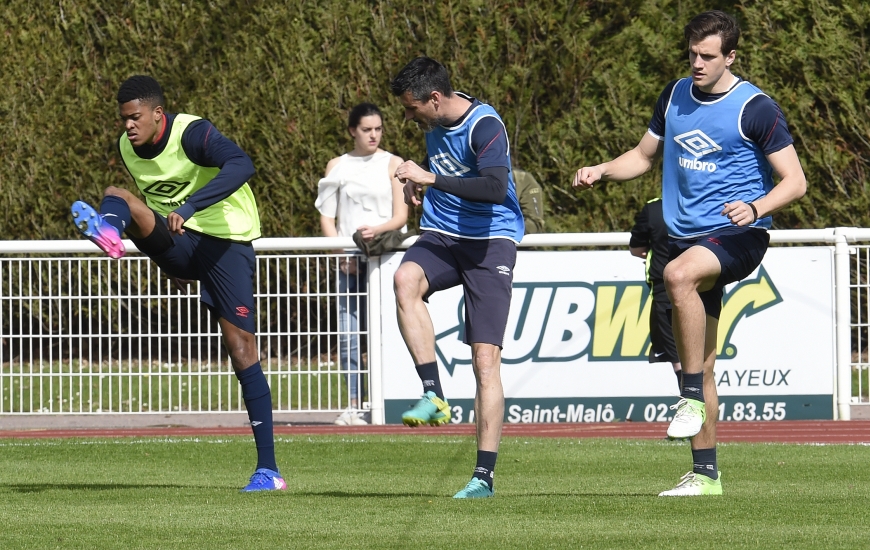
{"x":574,"y":81}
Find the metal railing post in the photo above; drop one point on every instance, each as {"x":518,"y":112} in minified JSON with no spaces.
{"x":375,"y":357}
{"x":842,"y":293}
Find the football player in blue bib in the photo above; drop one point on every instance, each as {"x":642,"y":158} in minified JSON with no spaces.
{"x":470,"y":229}
{"x":722,"y":141}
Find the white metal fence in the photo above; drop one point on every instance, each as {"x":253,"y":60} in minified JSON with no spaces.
{"x":83,"y":334}
{"x":860,"y":325}
{"x":87,"y":334}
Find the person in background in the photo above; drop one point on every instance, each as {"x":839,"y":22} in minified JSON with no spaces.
{"x":531,"y":199}
{"x":359,"y":193}
{"x":649,"y":241}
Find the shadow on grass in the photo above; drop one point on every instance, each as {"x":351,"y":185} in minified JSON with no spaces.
{"x":343,"y":494}
{"x":42,"y":487}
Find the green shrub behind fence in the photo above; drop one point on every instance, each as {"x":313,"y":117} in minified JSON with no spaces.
{"x":575,"y":83}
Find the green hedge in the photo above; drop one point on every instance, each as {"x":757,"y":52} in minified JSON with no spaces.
{"x":574,"y":81}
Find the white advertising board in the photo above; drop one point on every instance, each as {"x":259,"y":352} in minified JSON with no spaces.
{"x":577,"y":342}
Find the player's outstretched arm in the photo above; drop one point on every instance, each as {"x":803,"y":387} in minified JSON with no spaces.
{"x":627,"y":166}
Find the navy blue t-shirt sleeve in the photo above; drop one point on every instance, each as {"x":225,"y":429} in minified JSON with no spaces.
{"x":491,"y":186}
{"x":657,"y":123}
{"x":764,"y":124}
{"x":489,"y":142}
{"x":490,"y":145}
{"x":205,"y":146}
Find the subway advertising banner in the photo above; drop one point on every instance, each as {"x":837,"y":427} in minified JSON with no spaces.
{"x":577,"y":342}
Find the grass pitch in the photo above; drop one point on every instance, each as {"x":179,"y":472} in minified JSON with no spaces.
{"x":394,"y":492}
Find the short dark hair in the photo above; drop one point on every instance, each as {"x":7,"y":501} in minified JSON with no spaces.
{"x":360,"y":111}
{"x":143,"y":88}
{"x":711,"y":23}
{"x":421,"y":77}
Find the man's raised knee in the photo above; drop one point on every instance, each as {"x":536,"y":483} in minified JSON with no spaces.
{"x":678,"y":278}
{"x":112,"y":191}
{"x":407,"y":284}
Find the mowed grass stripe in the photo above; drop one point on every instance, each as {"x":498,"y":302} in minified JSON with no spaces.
{"x":394,"y":492}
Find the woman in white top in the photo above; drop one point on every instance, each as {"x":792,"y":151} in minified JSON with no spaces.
{"x":359,"y":193}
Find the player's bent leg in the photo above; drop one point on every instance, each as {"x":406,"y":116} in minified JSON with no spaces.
{"x":691,"y":330}
{"x":415,"y":324}
{"x":142,"y":220}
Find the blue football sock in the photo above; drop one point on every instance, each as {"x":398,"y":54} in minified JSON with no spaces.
{"x":704,"y":462}
{"x":428,"y":373}
{"x":485,"y":468}
{"x":693,"y":386}
{"x":258,"y":401}
{"x":115,"y":212}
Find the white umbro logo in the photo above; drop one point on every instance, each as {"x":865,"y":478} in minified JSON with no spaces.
{"x":698,"y":143}
{"x":504,"y":270}
{"x":255,"y":423}
{"x":446,"y":165}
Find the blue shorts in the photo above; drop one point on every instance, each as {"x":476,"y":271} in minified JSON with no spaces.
{"x":484,"y":268}
{"x":225,"y":270}
{"x":739,"y":250}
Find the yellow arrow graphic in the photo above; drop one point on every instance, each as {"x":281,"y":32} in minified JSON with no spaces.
{"x":747,"y":298}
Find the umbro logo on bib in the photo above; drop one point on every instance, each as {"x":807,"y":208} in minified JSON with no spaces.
{"x":446,"y":165}
{"x":698,"y":144}
{"x":165,"y":188}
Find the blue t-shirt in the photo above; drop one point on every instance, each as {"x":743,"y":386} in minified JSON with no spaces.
{"x":714,"y":152}
{"x":478,"y":140}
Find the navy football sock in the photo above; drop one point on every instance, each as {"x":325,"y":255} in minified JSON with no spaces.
{"x":704,"y":462}
{"x":116,"y":212}
{"x":485,"y":468}
{"x":258,"y":401}
{"x":693,"y":386}
{"x":679,"y":375}
{"x":428,"y":373}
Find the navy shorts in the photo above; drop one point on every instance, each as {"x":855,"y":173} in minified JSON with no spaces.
{"x":661,"y":334}
{"x":484,"y":268}
{"x":225,"y":270}
{"x":739,"y":250}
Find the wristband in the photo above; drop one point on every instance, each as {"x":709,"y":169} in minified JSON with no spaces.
{"x":754,"y":212}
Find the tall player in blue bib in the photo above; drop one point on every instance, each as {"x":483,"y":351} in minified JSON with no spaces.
{"x":470,"y":228}
{"x":723,"y":141}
